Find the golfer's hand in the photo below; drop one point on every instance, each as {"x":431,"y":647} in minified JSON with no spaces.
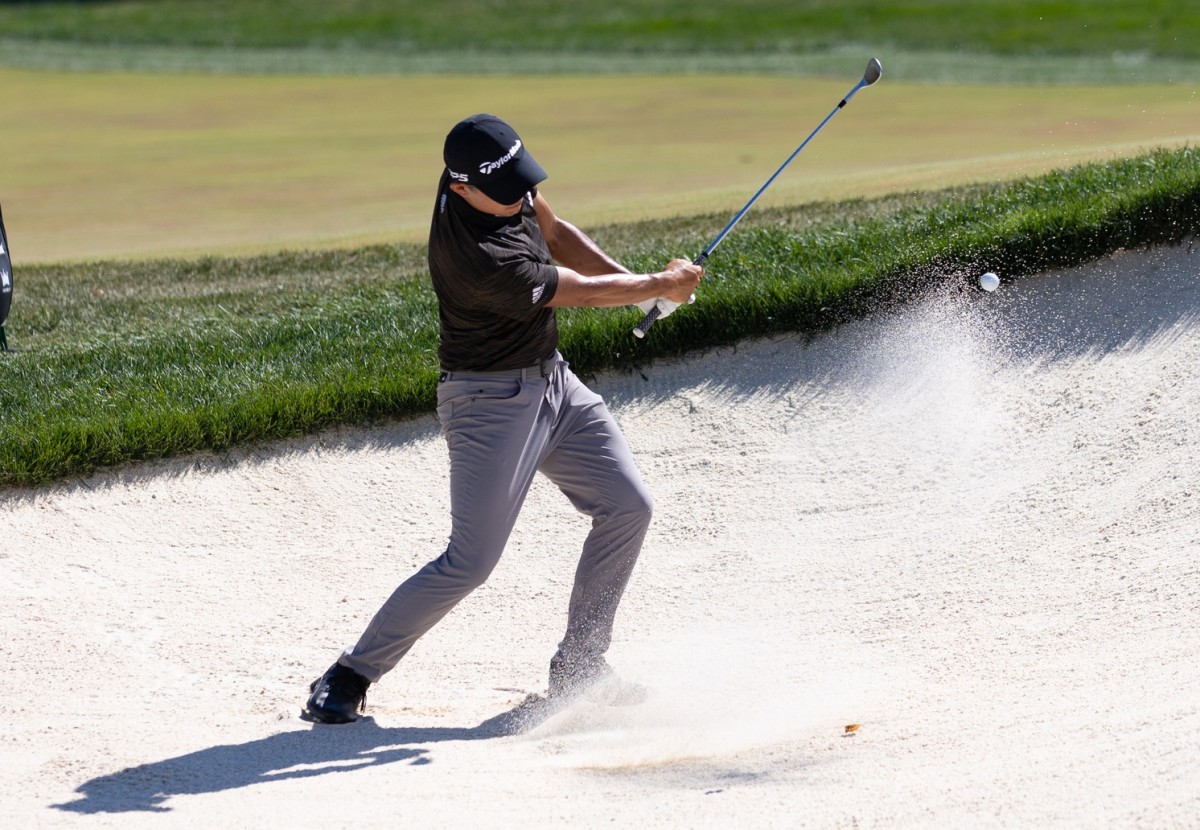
{"x":684,"y":278}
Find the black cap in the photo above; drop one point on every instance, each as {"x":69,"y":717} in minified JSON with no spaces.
{"x":485,"y":152}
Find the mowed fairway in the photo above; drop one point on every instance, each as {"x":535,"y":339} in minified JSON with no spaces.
{"x":127,"y":165}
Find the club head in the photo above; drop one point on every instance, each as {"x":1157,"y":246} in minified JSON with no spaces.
{"x":874,"y":71}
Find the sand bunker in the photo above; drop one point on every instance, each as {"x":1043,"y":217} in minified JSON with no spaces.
{"x":971,"y":525}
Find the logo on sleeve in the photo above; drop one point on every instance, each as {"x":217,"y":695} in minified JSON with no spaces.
{"x":538,"y":290}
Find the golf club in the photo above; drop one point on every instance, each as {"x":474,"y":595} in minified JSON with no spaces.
{"x":873,"y":73}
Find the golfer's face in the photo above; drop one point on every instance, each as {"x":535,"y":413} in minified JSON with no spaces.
{"x":477,"y":199}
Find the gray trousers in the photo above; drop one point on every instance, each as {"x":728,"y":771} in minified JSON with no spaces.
{"x":501,"y":429}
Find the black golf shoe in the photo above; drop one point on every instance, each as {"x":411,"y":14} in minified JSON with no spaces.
{"x":338,"y":696}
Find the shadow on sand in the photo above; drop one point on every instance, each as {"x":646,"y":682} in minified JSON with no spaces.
{"x":321,"y":750}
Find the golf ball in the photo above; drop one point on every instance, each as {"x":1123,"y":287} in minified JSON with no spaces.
{"x":989,"y":282}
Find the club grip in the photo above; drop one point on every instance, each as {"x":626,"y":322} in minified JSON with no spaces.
{"x":641,"y":328}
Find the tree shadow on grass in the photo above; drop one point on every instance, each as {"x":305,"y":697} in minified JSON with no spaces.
{"x":322,"y":750}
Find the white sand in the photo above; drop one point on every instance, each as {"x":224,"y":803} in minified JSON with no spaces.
{"x":971,"y":525}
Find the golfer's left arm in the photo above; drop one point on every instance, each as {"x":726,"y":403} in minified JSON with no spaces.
{"x":571,"y":247}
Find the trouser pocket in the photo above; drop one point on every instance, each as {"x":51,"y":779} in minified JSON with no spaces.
{"x":459,"y":398}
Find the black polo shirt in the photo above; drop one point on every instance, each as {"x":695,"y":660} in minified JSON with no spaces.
{"x":493,"y":277}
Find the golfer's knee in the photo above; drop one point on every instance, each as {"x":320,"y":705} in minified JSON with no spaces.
{"x":637,"y":507}
{"x":466,"y":573}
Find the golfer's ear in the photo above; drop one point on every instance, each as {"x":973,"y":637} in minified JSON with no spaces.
{"x":459,"y":188}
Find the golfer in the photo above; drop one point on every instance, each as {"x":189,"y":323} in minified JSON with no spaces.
{"x":510,"y":407}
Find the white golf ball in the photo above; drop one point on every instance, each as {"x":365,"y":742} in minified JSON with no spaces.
{"x":989,"y":282}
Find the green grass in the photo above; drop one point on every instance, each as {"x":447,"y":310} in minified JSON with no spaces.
{"x":125,"y":362}
{"x":1149,"y":41}
{"x":1008,"y":27}
{"x":156,"y":166}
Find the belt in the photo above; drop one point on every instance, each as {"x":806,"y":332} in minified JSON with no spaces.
{"x":538,"y":370}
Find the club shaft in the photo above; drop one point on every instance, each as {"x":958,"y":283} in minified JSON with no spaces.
{"x":746,"y":208}
{"x":652,"y":315}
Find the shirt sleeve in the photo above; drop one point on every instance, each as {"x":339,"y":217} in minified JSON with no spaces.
{"x":519,"y":289}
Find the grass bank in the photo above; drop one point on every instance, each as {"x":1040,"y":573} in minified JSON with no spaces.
{"x":126,"y":362}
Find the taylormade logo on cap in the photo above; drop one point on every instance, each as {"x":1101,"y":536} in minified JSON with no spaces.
{"x":487,"y":144}
{"x":490,"y":166}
